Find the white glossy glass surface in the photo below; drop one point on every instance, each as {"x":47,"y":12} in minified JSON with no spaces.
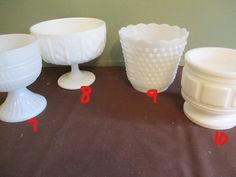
{"x":20,"y":66}
{"x":71,"y":41}
{"x":152,"y":53}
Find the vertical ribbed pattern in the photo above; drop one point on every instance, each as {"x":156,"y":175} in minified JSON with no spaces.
{"x":76,"y":48}
{"x":22,"y":106}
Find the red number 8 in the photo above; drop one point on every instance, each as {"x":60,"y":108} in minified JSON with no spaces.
{"x":85,"y":98}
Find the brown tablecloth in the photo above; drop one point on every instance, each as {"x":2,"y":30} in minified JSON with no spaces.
{"x":120,"y":133}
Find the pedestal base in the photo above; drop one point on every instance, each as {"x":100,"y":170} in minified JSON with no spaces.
{"x":208,"y":119}
{"x":21,"y":105}
{"x":73,"y":81}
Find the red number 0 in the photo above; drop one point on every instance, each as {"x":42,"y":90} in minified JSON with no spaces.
{"x":85,"y":98}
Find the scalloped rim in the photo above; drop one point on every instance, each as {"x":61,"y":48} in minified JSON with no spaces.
{"x":122,"y":34}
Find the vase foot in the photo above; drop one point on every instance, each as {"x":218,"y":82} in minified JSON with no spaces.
{"x":144,"y":89}
{"x":208,"y":119}
{"x":21,"y":105}
{"x":75,"y":81}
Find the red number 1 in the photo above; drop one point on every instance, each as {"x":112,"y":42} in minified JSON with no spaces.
{"x":34,"y":122}
{"x":85,"y":98}
{"x":153,"y":93}
{"x":221,"y":138}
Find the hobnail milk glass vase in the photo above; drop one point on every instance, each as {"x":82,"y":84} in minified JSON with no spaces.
{"x":20,"y":66}
{"x":152,"y":53}
{"x":71,"y":41}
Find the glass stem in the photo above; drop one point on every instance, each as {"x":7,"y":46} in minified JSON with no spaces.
{"x":75,"y":69}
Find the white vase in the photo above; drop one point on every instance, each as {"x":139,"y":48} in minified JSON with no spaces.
{"x":71,"y":41}
{"x":20,"y":66}
{"x":152,"y":53}
{"x":209,"y":87}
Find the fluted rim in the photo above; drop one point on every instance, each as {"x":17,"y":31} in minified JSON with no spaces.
{"x":125,"y":32}
{"x":38,"y":28}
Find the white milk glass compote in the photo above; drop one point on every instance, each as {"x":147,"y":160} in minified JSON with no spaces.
{"x":71,"y":41}
{"x":209,"y":87}
{"x":20,"y":66}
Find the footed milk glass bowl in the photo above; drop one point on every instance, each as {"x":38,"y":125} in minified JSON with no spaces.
{"x":20,"y":66}
{"x":71,"y":41}
{"x":209,"y":87}
{"x":152,"y":53}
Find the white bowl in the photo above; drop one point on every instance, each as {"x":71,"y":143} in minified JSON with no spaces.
{"x":20,"y":66}
{"x":152,"y":53}
{"x":209,"y":87}
{"x":71,"y":41}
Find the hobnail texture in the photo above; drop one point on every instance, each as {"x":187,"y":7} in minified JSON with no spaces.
{"x":152,"y":53}
{"x":71,"y":41}
{"x":20,"y":66}
{"x":209,"y":87}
